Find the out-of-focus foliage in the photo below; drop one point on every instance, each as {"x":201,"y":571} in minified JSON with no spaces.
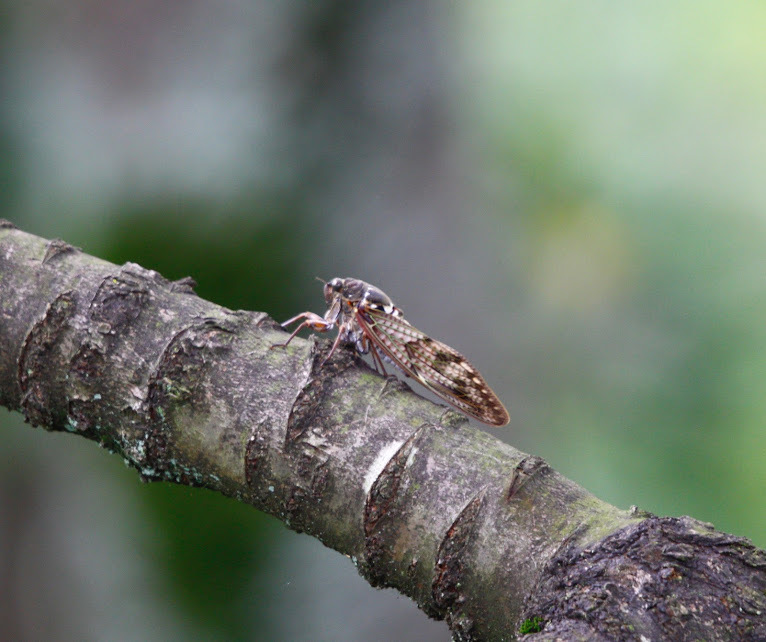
{"x":572,"y":195}
{"x":239,"y":260}
{"x":630,"y":144}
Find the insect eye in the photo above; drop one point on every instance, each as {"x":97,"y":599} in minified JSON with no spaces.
{"x":331,"y":288}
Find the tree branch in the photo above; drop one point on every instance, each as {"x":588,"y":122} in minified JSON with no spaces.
{"x":473,"y":530}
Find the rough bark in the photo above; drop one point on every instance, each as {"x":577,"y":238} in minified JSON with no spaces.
{"x":473,"y":530}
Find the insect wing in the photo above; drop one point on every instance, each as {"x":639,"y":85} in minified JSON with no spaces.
{"x":438,"y":367}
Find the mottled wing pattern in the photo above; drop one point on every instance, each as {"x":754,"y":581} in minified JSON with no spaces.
{"x":437,"y":366}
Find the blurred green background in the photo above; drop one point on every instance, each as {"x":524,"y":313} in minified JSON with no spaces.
{"x":573,"y":196}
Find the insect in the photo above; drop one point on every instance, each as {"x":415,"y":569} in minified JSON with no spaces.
{"x":367,"y":318}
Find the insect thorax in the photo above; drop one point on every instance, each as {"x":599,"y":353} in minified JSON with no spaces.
{"x":359,"y":294}
{"x":376,"y":299}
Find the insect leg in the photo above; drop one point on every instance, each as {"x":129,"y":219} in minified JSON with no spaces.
{"x":343,"y":332}
{"x":376,"y":355}
{"x":311,"y":320}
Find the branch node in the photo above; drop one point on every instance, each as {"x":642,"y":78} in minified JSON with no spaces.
{"x":57,"y":248}
{"x":381,"y":500}
{"x":184,"y":285}
{"x":523,"y":472}
{"x":38,"y":403}
{"x":450,"y":564}
{"x":311,"y":397}
{"x":173,"y":384}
